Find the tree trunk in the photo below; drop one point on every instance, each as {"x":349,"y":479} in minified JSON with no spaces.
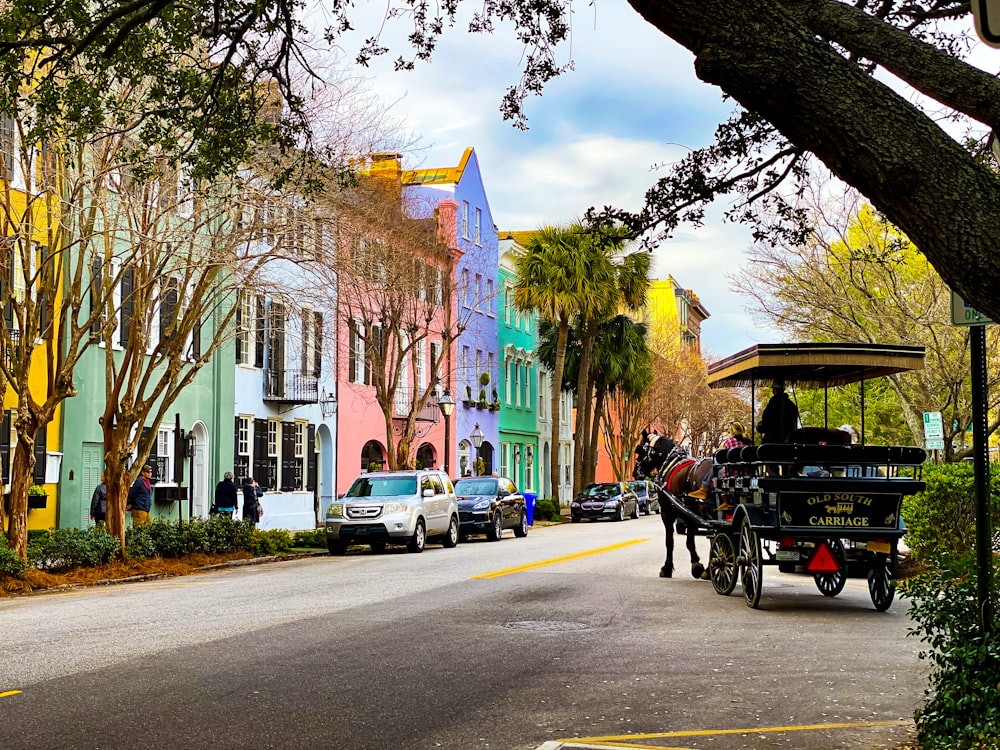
{"x":590,"y":474}
{"x":583,"y":447}
{"x":22,"y":468}
{"x":557,"y":374}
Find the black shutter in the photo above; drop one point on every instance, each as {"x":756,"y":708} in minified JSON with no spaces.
{"x":304,"y":354}
{"x":261,"y":462}
{"x":288,"y":459}
{"x":95,"y":295}
{"x":5,"y":445}
{"x":168,"y":309}
{"x":240,"y":296}
{"x":258,"y":355}
{"x":311,"y":458}
{"x":6,"y":272}
{"x":154,"y":459}
{"x":179,"y":452}
{"x":128,"y":304}
{"x":196,"y":339}
{"x":317,"y":344}
{"x":352,"y":357}
{"x":40,"y":455}
{"x":276,"y":341}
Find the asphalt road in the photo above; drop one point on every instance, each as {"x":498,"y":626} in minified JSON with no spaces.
{"x":459,"y":649}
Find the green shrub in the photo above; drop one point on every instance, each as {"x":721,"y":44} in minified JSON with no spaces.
{"x":270,"y":542}
{"x":963,"y":707}
{"x":63,"y":549}
{"x":169,"y":538}
{"x":11,"y":564}
{"x":139,"y":542}
{"x":941,"y":520}
{"x":547,"y":509}
{"x":311,"y":538}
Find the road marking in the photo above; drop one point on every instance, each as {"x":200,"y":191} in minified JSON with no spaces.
{"x":556,"y":560}
{"x":10,"y":693}
{"x":626,"y":740}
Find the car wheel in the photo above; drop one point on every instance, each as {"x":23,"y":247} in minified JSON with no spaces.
{"x":377,"y":546}
{"x":620,"y":512}
{"x":451,"y":536}
{"x":419,"y":539}
{"x":337,"y":547}
{"x":635,"y":511}
{"x":574,"y":519}
{"x":521,"y":529}
{"x":495,"y":531}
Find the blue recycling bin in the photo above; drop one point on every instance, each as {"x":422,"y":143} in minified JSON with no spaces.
{"x":529,"y":506}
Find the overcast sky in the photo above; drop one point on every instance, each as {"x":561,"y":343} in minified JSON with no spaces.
{"x":596,"y":137}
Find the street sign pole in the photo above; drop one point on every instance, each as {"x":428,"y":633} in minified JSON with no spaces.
{"x":981,"y":467}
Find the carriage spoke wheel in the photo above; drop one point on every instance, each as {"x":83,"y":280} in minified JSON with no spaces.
{"x":751,"y":566}
{"x":722,"y":563}
{"x":831,"y":584}
{"x":881,"y":582}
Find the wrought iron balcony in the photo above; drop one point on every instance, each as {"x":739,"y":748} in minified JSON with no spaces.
{"x":291,"y":387}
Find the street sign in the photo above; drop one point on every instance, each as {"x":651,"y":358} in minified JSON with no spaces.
{"x":987,"y":16}
{"x":933,"y":431}
{"x":963,"y":314}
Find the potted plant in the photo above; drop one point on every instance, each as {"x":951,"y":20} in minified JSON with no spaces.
{"x":37,"y":496}
{"x":467,"y":401}
{"x":495,"y":404}
{"x":484,"y":380}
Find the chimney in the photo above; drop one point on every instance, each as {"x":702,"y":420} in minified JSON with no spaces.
{"x":447,"y":218}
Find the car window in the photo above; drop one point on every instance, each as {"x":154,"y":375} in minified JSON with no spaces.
{"x":436,"y":483}
{"x":639,"y":488}
{"x":601,"y":490}
{"x":476,"y":487}
{"x":509,"y":488}
{"x":383,"y":486}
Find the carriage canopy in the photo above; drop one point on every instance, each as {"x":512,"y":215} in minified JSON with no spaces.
{"x":813,"y":365}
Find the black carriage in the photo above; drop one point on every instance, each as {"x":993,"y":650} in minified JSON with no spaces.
{"x":810,"y":502}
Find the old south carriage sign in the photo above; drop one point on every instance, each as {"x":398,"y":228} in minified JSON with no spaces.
{"x":839,"y":510}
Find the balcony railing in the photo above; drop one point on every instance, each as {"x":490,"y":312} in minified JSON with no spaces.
{"x":401,"y":407}
{"x":291,"y":387}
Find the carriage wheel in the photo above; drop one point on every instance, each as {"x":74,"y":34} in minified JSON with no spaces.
{"x":722,"y":563}
{"x":831,"y":584}
{"x":881,"y":582}
{"x":751,"y":566}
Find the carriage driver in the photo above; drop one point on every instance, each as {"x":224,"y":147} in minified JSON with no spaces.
{"x":779,"y":417}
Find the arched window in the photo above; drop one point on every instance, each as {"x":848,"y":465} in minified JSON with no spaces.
{"x":425,"y":456}
{"x":372,"y":457}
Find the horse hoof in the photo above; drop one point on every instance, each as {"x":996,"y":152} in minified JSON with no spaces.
{"x":705,"y":576}
{"x":666,"y":573}
{"x":698,"y":570}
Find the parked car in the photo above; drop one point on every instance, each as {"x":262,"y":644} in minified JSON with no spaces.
{"x":488,"y":505}
{"x":649,"y":501}
{"x":394,"y":507}
{"x":613,"y":500}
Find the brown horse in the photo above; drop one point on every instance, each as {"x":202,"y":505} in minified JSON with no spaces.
{"x":675,"y":475}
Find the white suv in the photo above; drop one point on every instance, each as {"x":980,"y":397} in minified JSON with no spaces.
{"x":394,"y":507}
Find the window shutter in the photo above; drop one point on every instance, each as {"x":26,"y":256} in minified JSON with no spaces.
{"x":127,"y":304}
{"x":288,"y":459}
{"x":239,"y":326}
{"x":241,"y":469}
{"x":276,"y":343}
{"x":352,"y":357}
{"x":40,"y":455}
{"x":168,"y":309}
{"x":95,"y":294}
{"x":311,"y":458}
{"x":196,"y":339}
{"x":5,"y":445}
{"x":317,"y":344}
{"x":304,"y":353}
{"x":261,"y":463}
{"x":258,"y":354}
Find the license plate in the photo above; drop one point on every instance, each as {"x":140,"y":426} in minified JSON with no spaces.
{"x":360,"y":531}
{"x":882,"y":547}
{"x":787,"y":554}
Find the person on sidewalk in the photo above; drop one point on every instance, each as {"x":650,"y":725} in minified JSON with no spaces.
{"x":140,"y":497}
{"x":99,"y":503}
{"x":226,"y":496}
{"x":251,"y":500}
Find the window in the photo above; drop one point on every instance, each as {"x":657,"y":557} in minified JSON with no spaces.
{"x":356,"y":357}
{"x":517,"y":383}
{"x":479,"y":292}
{"x":436,"y":360}
{"x":491,"y":369}
{"x":300,"y":439}
{"x":421,"y":352}
{"x":479,"y":219}
{"x":504,"y":459}
{"x":508,"y":302}
{"x":244,"y":325}
{"x":242,"y":436}
{"x":466,"y":288}
{"x":165,"y":455}
{"x":272,"y":437}
{"x":509,"y":385}
{"x":465,"y":219}
{"x":490,"y":302}
{"x":438,"y":287}
{"x":526,"y":400}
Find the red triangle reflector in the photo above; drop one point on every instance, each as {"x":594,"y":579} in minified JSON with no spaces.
{"x":822,"y":560}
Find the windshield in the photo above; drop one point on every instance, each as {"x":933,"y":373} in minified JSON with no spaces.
{"x":476,"y":487}
{"x":639,"y":488}
{"x":601,"y":490}
{"x":383,"y":486}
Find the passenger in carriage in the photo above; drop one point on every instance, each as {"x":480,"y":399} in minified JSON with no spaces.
{"x":737,"y":439}
{"x":779,"y":417}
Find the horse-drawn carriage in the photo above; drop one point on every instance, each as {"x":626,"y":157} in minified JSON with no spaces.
{"x":809,"y":501}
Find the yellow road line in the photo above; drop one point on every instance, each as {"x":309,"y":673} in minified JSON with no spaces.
{"x":10,"y":693}
{"x":749,"y":730}
{"x":556,"y":560}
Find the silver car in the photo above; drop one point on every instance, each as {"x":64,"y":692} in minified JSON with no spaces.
{"x":394,"y":507}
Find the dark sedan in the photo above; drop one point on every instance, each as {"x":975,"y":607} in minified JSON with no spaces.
{"x":605,"y":500}
{"x":649,"y":501}
{"x":488,"y":505}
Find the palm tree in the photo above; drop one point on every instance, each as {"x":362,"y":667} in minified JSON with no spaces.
{"x":547,"y":285}
{"x":622,"y":366}
{"x":612,"y":279}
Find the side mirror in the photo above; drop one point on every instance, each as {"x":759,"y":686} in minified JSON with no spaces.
{"x":428,"y":492}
